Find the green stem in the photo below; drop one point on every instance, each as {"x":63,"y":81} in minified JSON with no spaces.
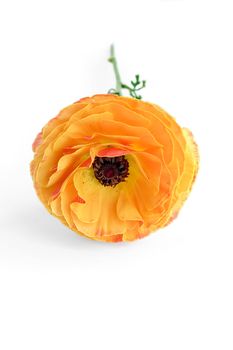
{"x":113,"y":60}
{"x":136,"y":85}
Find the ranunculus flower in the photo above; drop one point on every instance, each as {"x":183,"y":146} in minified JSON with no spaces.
{"x":113,"y":168}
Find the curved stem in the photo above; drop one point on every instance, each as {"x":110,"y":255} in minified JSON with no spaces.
{"x":113,"y":60}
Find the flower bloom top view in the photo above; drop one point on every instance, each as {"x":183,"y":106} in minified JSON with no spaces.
{"x":114,"y":168}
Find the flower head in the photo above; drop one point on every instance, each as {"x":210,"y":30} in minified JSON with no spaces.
{"x":113,"y":168}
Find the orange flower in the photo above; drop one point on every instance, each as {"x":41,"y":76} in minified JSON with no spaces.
{"x":113,"y":168}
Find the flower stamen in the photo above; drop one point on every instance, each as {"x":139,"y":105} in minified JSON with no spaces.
{"x":110,"y":171}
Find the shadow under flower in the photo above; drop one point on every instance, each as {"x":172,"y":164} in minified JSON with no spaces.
{"x":34,"y":223}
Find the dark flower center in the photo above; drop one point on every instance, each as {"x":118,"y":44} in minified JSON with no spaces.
{"x":110,"y":171}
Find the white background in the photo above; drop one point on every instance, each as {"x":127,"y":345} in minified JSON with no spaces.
{"x":172,"y":290}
